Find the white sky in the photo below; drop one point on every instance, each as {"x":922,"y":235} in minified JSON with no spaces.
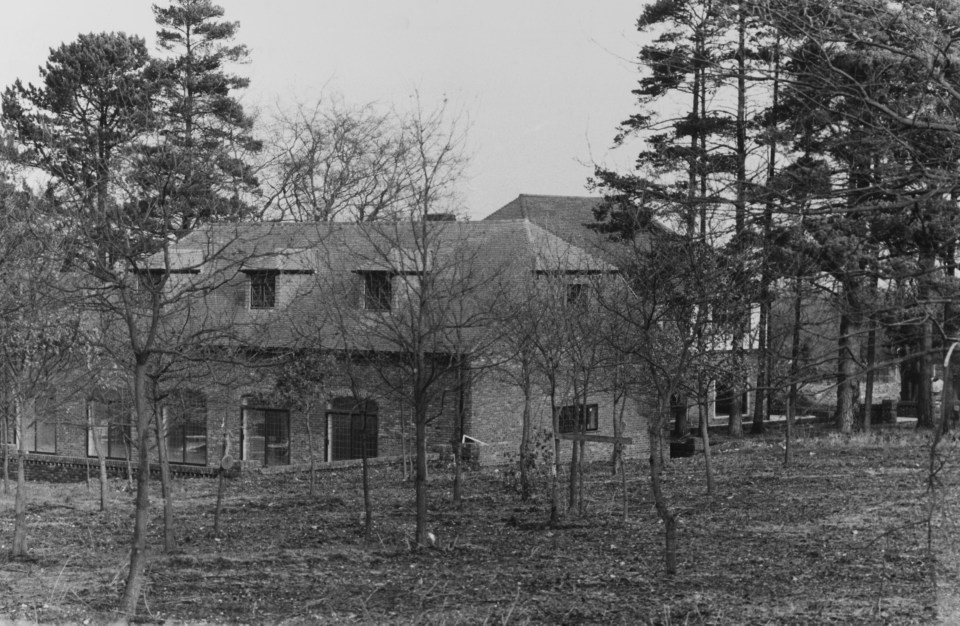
{"x":542,"y":83}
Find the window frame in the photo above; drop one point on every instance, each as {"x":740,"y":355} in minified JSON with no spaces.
{"x":262,"y":289}
{"x":112,"y":433}
{"x":585,"y":418}
{"x":248,"y":408}
{"x":31,"y":431}
{"x":361,"y":416}
{"x":575,"y":294}
{"x":186,"y":424}
{"x":378,"y":290}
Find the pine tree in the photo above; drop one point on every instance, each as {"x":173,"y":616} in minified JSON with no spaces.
{"x":198,"y":172}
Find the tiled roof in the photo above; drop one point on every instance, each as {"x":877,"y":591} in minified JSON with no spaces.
{"x":568,"y":217}
{"x":335,"y":253}
{"x":279,"y":245}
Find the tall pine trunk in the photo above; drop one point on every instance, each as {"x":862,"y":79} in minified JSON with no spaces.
{"x":735,"y":420}
{"x":794,"y":368}
{"x":871,"y":374}
{"x":760,"y":403}
{"x":846,"y":375}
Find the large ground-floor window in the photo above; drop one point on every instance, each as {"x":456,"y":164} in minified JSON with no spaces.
{"x":266,"y":435}
{"x":185,"y":419}
{"x":40,"y":427}
{"x":109,"y":427}
{"x":351,"y":429}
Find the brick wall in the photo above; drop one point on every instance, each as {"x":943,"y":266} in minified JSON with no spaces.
{"x":394,"y":416}
{"x":497,"y":421}
{"x":494,"y":409}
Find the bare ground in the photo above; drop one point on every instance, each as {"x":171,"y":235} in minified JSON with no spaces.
{"x":840,"y":536}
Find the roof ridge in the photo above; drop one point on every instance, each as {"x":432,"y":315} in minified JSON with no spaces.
{"x":553,"y":195}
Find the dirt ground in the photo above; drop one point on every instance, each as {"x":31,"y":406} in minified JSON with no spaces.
{"x":839,"y":536}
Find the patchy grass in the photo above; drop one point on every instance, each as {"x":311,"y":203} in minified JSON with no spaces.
{"x":837,"y":537}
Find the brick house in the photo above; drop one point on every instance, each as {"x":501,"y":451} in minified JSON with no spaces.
{"x":311,"y":336}
{"x":571,"y":217}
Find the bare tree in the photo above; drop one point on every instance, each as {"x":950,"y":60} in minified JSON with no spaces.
{"x":40,"y":338}
{"x":663,"y":325}
{"x":336,"y":162}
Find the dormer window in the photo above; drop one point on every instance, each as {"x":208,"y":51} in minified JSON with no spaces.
{"x":377,"y":291}
{"x":576,"y":294}
{"x":263,"y":289}
{"x":150,"y":280}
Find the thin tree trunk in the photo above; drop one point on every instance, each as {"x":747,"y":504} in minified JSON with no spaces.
{"x":4,"y":441}
{"x":525,"y":445}
{"x":705,"y":436}
{"x":404,"y":452}
{"x":101,"y":461}
{"x":129,"y":450}
{"x":667,"y":516}
{"x":616,"y":459}
{"x":623,"y":481}
{"x":925,"y":395}
{"x":761,"y":394}
{"x":555,"y":467}
{"x":572,"y":487}
{"x":19,"y":548}
{"x":420,"y":479}
{"x":871,"y":362}
{"x":367,"y":506}
{"x":458,"y":442}
{"x":735,"y":421}
{"x":221,"y":479}
{"x":871,"y":375}
{"x":925,"y":418}
{"x":794,"y":369}
{"x":312,"y":449}
{"x":135,"y":575}
{"x":583,"y":454}
{"x":166,"y":488}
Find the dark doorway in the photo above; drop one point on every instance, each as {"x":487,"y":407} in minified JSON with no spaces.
{"x":352,"y":429}
{"x":724,"y":402}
